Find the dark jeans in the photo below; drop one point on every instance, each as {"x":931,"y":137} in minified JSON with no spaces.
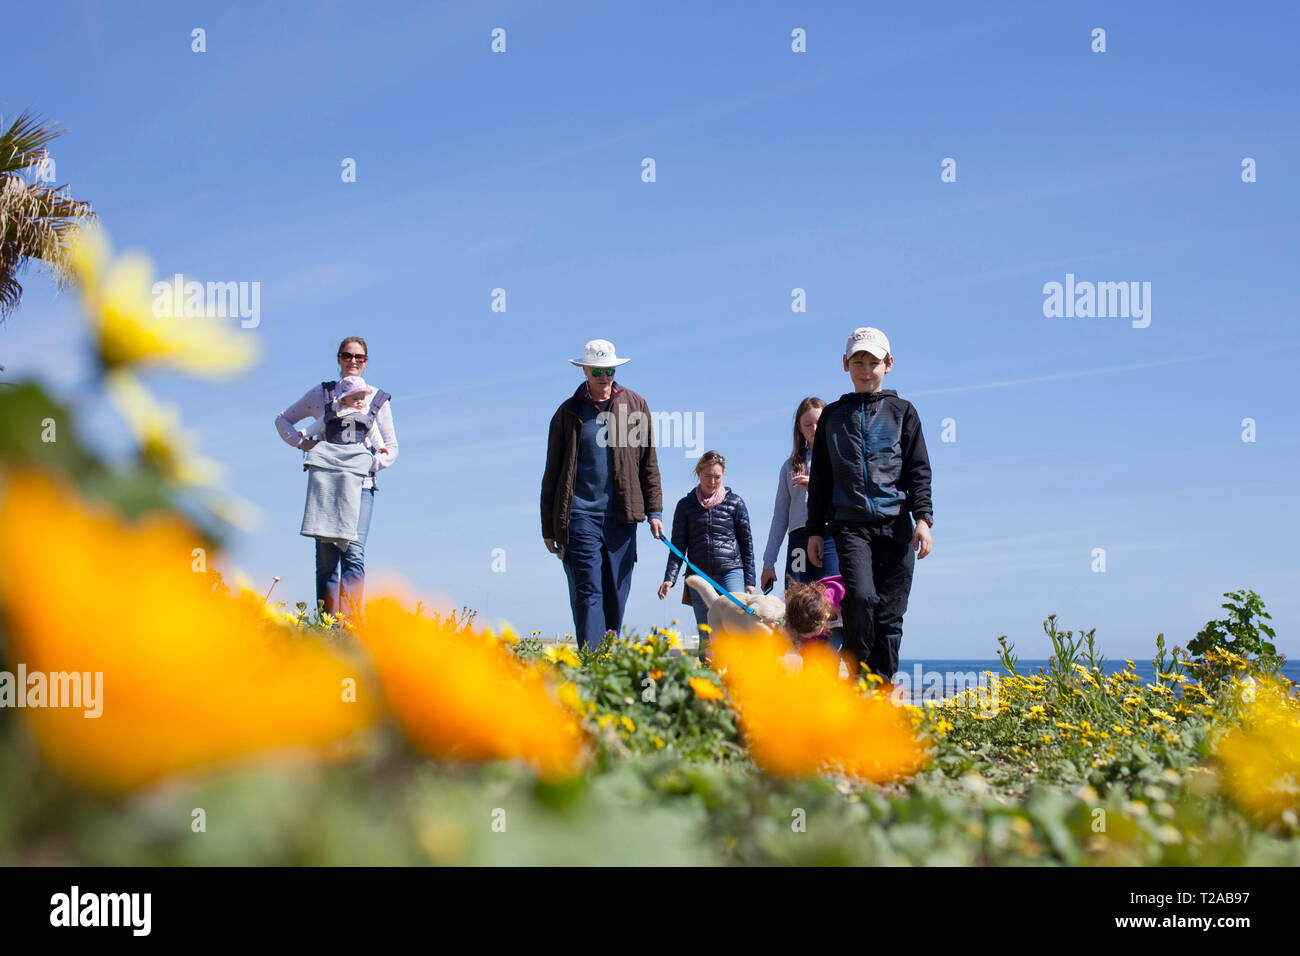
{"x":799,"y":542}
{"x":353,"y":559}
{"x":876,"y":562}
{"x":830,"y":567}
{"x":598,"y":560}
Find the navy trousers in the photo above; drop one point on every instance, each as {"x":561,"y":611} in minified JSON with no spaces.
{"x":876,"y":562}
{"x":598,"y":560}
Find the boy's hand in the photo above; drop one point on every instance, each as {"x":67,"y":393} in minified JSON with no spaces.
{"x":656,"y":527}
{"x":815,"y":546}
{"x":663,"y":589}
{"x":800,"y":480}
{"x":920,"y":539}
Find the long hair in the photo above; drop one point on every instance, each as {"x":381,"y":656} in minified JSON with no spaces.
{"x":799,"y":457}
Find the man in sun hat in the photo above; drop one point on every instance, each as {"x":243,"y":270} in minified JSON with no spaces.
{"x":601,"y":479}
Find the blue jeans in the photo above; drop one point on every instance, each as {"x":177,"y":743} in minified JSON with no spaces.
{"x":799,"y":542}
{"x":598,"y":560}
{"x":353,"y":559}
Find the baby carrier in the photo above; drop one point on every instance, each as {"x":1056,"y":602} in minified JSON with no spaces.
{"x":346,"y":429}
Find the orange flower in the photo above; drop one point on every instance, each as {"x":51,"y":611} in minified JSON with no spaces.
{"x":800,"y":723}
{"x":189,"y":678}
{"x":462,"y":695}
{"x":706,"y":689}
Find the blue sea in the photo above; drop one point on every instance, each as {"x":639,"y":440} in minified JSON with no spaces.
{"x":1144,"y":668}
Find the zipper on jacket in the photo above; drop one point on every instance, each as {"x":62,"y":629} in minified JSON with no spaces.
{"x":866,"y":475}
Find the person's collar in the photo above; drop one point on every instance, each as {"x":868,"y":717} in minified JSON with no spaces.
{"x":584,"y":392}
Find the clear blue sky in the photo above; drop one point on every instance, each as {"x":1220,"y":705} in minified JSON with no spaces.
{"x":775,"y":170}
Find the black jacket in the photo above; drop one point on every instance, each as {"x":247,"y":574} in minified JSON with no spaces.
{"x":716,"y":540}
{"x":869,"y":462}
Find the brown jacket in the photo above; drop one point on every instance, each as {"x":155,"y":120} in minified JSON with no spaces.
{"x":636,"y":467}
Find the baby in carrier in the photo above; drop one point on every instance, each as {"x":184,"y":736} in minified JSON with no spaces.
{"x":339,"y":462}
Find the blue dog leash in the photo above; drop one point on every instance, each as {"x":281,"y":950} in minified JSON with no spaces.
{"x":716,"y":586}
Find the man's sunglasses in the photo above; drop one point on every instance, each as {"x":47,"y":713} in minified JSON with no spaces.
{"x":598,"y":372}
{"x":357,"y":356}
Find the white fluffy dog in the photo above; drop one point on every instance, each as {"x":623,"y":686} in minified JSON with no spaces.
{"x":724,"y":615}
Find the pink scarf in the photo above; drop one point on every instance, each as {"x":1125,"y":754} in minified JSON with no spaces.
{"x":715,"y":500}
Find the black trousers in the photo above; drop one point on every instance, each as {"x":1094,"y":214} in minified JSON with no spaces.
{"x":876,"y":562}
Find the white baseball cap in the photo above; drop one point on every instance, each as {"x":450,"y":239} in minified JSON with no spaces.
{"x":867,"y":339}
{"x":599,"y":353}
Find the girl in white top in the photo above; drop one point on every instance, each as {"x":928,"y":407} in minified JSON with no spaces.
{"x":791,"y":510}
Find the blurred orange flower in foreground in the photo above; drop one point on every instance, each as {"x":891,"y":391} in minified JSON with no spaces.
{"x":190,"y":678}
{"x":1261,"y":757}
{"x":798,"y":723}
{"x":464,"y":696}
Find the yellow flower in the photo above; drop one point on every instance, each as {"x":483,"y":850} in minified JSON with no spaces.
{"x":569,"y":696}
{"x":656,"y":674}
{"x":464,"y":696}
{"x":628,"y":724}
{"x":1261,"y":758}
{"x":705,"y":629}
{"x":157,"y":431}
{"x":706,"y":689}
{"x":659,"y":744}
{"x":798,"y":723}
{"x":191,"y":678}
{"x":123,"y":310}
{"x":562,"y":654}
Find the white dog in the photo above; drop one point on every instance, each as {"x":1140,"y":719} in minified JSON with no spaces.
{"x":724,"y":615}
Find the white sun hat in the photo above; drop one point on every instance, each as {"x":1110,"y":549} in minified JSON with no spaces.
{"x":599,"y":353}
{"x":867,"y":339}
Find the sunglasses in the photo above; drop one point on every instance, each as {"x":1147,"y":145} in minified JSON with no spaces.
{"x":352,"y":356}
{"x":598,"y":372}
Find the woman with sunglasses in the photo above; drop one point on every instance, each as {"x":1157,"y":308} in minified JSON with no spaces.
{"x":335,"y":592}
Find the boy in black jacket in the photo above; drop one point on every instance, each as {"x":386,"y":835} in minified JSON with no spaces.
{"x":870,"y":477}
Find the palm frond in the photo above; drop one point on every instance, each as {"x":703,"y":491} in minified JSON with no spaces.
{"x":24,"y":143}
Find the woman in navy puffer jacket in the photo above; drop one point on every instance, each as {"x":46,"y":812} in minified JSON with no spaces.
{"x":711,"y":527}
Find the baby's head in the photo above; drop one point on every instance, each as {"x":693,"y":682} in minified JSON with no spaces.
{"x":867,"y":358}
{"x":353,"y":392}
{"x":807,"y":609}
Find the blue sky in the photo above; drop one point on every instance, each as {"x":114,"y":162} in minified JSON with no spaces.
{"x":775,"y":170}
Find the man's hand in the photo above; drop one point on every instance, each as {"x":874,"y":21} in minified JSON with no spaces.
{"x":921,"y":539}
{"x":664,"y":588}
{"x":551,"y":546}
{"x":749,"y":589}
{"x":768,"y":575}
{"x":800,"y":480}
{"x":815,"y":546}
{"x":656,"y":527}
